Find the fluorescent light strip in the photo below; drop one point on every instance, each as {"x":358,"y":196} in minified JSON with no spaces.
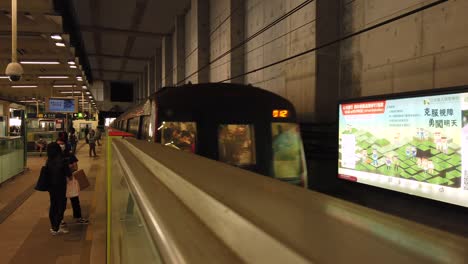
{"x":40,"y":62}
{"x":71,"y":62}
{"x":60,"y":44}
{"x":84,"y":87}
{"x":56,"y":36}
{"x":63,"y":85}
{"x":53,"y":77}
{"x":73,"y":66}
{"x":4,"y":77}
{"x":24,"y":86}
{"x":70,"y":92}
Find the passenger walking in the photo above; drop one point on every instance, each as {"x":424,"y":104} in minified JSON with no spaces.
{"x":73,"y":141}
{"x":57,"y":172}
{"x":86,"y":132}
{"x":98,"y":137}
{"x":92,"y":143}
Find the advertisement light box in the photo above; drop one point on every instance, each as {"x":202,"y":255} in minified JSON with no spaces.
{"x":61,"y":105}
{"x":416,"y":145}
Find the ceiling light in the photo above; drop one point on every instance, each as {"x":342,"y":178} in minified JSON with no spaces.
{"x":56,"y":36}
{"x":84,"y":87}
{"x":90,"y":97}
{"x":24,"y":86}
{"x":88,"y":93}
{"x":60,"y":44}
{"x":63,"y":85}
{"x":71,"y":62}
{"x":53,"y":77}
{"x":40,"y":62}
{"x":73,"y":66}
{"x":70,"y":92}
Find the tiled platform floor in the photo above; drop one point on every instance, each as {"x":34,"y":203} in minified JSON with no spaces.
{"x":24,"y":231}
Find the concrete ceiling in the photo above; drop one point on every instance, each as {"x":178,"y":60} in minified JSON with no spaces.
{"x":37,"y":22}
{"x":121,"y":36}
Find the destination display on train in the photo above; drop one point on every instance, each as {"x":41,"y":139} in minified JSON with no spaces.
{"x":415,"y":145}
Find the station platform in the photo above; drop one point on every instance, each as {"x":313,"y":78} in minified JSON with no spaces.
{"x":24,"y":222}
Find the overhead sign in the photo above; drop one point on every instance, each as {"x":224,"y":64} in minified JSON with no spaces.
{"x":61,"y":105}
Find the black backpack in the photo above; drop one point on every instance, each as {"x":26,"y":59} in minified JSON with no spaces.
{"x":43,"y":181}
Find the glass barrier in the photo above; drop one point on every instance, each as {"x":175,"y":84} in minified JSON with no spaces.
{"x":130,"y":241}
{"x":130,"y":238}
{"x":11,"y":157}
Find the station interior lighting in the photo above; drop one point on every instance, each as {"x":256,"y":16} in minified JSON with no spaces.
{"x":56,"y":37}
{"x":71,"y":62}
{"x":53,"y":77}
{"x":4,"y":77}
{"x":63,"y":85}
{"x":60,"y":44}
{"x":73,"y":66}
{"x":70,"y":92}
{"x":24,"y":86}
{"x":40,"y":62}
{"x":84,"y":87}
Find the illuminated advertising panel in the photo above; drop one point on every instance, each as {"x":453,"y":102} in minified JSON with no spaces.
{"x":61,"y":105}
{"x":415,"y":145}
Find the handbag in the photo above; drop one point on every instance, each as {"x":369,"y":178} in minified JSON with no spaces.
{"x":80,"y":176}
{"x":42,"y":184}
{"x":73,"y":188}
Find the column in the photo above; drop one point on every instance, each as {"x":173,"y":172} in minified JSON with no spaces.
{"x":167,"y":61}
{"x":179,"y":50}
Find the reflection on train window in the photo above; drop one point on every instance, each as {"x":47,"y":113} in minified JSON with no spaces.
{"x":287,"y":151}
{"x":179,"y":135}
{"x":145,"y":128}
{"x":236,"y":144}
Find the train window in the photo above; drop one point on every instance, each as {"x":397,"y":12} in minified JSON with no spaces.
{"x":236,"y":144}
{"x":179,"y":135}
{"x":287,"y":151}
{"x":133,"y":125}
{"x":145,"y":128}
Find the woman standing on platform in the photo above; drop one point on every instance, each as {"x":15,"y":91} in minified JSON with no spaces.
{"x":58,"y":172}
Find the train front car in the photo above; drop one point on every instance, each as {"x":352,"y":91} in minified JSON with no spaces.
{"x":241,"y":125}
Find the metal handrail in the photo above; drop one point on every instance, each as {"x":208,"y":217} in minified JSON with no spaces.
{"x":202,"y":211}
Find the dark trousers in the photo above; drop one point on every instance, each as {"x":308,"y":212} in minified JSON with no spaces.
{"x":57,"y":206}
{"x":75,"y":201}
{"x":92,"y":148}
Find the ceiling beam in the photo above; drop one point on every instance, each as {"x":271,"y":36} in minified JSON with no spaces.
{"x":118,"y":57}
{"x":137,"y":18}
{"x":95,"y":14}
{"x":118,"y":31}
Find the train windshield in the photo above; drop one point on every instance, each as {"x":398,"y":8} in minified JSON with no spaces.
{"x":236,"y":144}
{"x":179,"y":135}
{"x":288,"y":154}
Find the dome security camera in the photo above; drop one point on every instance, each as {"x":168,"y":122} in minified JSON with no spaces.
{"x":14,"y":71}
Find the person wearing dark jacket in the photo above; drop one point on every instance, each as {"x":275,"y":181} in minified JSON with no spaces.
{"x":58,"y":171}
{"x":72,"y":163}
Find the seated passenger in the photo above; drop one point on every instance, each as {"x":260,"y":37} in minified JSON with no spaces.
{"x":41,"y":144}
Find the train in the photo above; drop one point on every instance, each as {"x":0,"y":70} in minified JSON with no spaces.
{"x":241,"y":125}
